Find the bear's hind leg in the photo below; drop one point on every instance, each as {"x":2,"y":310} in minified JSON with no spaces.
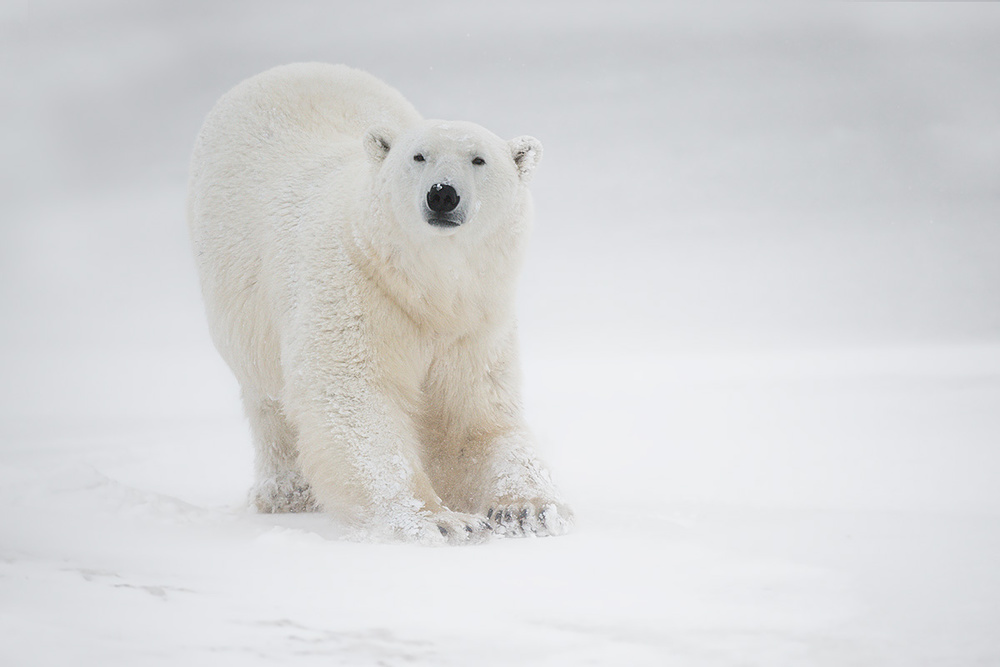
{"x":280,"y":486}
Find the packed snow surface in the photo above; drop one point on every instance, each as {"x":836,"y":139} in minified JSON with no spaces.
{"x":760,"y":322}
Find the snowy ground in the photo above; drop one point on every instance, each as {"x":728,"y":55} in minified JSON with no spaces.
{"x":761,"y":322}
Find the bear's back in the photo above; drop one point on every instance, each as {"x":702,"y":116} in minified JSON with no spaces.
{"x":318,"y":100}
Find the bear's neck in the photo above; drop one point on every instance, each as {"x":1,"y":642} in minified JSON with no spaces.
{"x":446,"y":287}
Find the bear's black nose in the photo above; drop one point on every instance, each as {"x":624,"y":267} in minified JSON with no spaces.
{"x":442,"y":198}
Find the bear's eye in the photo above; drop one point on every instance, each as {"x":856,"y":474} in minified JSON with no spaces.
{"x":418,"y":158}
{"x":478,"y":161}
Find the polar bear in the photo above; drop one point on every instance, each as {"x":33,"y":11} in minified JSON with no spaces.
{"x":358,"y":266}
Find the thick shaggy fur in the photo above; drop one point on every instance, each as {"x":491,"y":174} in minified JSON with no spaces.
{"x":376,"y":351}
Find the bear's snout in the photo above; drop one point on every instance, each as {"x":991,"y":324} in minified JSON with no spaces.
{"x":442,"y":198}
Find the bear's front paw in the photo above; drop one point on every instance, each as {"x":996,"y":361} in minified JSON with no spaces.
{"x":518,"y":518}
{"x":457,"y":528}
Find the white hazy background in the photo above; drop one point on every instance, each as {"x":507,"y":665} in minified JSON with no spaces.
{"x":760,"y":321}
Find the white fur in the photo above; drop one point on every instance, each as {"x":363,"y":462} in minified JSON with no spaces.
{"x":376,"y":353}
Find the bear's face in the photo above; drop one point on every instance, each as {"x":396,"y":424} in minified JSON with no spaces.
{"x":451,"y":178}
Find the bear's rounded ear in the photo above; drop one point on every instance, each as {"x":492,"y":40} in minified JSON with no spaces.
{"x":378,"y":140}
{"x":527,"y":153}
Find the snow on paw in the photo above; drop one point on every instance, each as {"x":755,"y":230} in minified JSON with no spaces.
{"x":430,"y":528}
{"x":283,"y":494}
{"x":520,"y":518}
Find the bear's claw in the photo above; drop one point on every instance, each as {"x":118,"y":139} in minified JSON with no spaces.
{"x":458,"y":528}
{"x":522,"y":518}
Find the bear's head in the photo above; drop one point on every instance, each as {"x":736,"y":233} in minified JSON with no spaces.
{"x":452,"y":178}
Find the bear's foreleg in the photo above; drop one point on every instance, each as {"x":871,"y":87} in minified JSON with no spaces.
{"x":360,"y":455}
{"x":480,"y":453}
